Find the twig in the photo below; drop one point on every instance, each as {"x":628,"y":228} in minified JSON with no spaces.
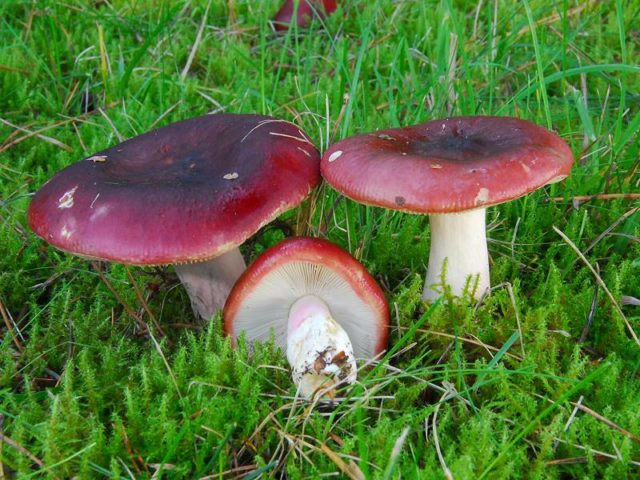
{"x":600,"y":281}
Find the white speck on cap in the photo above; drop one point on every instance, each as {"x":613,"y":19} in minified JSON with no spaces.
{"x":384,"y":136}
{"x":231,"y":176}
{"x":335,"y":155}
{"x":65,"y":232}
{"x":482,"y":197}
{"x":66,"y":200}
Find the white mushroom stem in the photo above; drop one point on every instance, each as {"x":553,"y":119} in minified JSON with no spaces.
{"x":461,"y":240}
{"x":318,"y":349}
{"x":208,"y":283}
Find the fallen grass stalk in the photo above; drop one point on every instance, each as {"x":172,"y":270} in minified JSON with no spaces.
{"x":597,"y":452}
{"x":9,"y":326}
{"x":597,"y":196}
{"x":35,"y":133}
{"x":600,"y":281}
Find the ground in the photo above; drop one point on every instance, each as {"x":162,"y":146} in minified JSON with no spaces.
{"x":538,"y":380}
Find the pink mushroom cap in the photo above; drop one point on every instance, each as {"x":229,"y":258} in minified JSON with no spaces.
{"x":446,"y":166}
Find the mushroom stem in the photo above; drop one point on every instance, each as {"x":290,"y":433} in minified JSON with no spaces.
{"x":208,"y":283}
{"x":461,"y":239}
{"x":318,"y":349}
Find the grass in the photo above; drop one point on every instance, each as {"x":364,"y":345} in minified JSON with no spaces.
{"x":466,"y":388}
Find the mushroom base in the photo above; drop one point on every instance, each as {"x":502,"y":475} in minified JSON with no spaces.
{"x":318,"y":349}
{"x":208,"y":283}
{"x":460,"y":240}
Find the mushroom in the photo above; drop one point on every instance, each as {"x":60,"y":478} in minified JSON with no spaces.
{"x":307,"y":9}
{"x":186,"y":194}
{"x":451,"y":169}
{"x":318,"y":303}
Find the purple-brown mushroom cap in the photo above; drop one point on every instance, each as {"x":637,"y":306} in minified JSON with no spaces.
{"x":186,"y":192}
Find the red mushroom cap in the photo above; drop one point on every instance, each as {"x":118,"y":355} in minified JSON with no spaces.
{"x":306,"y":11}
{"x":186,"y":192}
{"x":446,"y":166}
{"x":259,"y":302}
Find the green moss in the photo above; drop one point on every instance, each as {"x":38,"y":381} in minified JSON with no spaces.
{"x":89,"y":396}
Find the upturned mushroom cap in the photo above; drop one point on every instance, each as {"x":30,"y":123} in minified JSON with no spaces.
{"x":306,"y":11}
{"x":448,"y":165}
{"x":260,"y":302}
{"x":186,"y":192}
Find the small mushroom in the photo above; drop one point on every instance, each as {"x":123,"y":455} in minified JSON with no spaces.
{"x":451,"y":169}
{"x":307,"y":9}
{"x":318,"y":303}
{"x":186,"y":194}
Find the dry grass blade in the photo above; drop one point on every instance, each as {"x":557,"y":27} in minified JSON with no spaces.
{"x":600,"y":281}
{"x":239,"y":471}
{"x":553,"y":18}
{"x":9,"y":325}
{"x":628,"y":300}
{"x":2,"y":474}
{"x":596,"y":452}
{"x":35,"y":133}
{"x":610,"y":228}
{"x":166,"y":363}
{"x":125,"y":305}
{"x":395,"y":452}
{"x":113,"y":127}
{"x":576,"y":460}
{"x":607,"y":422}
{"x":196,"y":44}
{"x":143,"y":302}
{"x":350,"y":469}
{"x":580,"y":406}
{"x":598,"y":196}
{"x":467,"y":340}
{"x":22,"y":450}
{"x":450,"y":393}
